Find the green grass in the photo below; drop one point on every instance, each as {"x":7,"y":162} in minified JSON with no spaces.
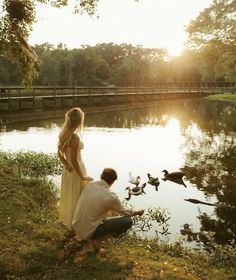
{"x":230,"y":97}
{"x":33,"y":245}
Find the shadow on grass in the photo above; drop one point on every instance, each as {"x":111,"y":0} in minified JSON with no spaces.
{"x":46,"y":263}
{"x":95,"y":267}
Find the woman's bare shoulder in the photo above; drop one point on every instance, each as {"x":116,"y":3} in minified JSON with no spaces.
{"x":75,"y":138}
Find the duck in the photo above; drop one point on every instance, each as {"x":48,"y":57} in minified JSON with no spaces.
{"x":176,"y":177}
{"x":153,"y":181}
{"x":135,"y":191}
{"x":134,"y":180}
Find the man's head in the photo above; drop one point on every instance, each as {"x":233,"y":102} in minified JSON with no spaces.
{"x":109,"y":175}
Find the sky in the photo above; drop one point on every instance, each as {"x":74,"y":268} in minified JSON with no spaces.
{"x":149,"y":23}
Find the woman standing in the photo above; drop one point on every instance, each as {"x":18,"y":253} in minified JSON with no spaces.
{"x":74,"y":174}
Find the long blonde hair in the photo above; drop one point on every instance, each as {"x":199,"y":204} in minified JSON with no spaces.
{"x":74,"y":122}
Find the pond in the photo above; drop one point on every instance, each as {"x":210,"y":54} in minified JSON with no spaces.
{"x":197,"y":137}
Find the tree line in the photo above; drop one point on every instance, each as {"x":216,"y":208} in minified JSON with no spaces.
{"x":121,"y":65}
{"x":209,"y":56}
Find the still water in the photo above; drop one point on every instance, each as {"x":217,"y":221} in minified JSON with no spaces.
{"x":195,"y":136}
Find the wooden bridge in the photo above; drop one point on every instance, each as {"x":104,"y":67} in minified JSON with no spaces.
{"x":36,"y":99}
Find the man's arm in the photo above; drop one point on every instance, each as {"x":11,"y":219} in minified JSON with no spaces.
{"x":138,"y":212}
{"x":118,"y":207}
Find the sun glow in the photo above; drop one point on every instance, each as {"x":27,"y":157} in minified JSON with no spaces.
{"x":149,"y":23}
{"x":173,"y":125}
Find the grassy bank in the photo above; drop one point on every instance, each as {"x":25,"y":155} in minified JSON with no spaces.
{"x":230,"y":97}
{"x":33,"y":245}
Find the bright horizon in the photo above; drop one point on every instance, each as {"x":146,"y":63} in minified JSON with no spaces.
{"x":149,"y":23}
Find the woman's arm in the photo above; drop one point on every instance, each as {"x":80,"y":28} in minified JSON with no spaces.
{"x":74,"y":145}
{"x":64,"y":161}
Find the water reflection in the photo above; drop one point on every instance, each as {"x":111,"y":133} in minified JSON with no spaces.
{"x":210,"y":166}
{"x":197,"y":137}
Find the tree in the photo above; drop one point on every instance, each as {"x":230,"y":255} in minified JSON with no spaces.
{"x":213,"y":36}
{"x":49,"y":73}
{"x":9,"y":74}
{"x":225,"y":69}
{"x":215,"y":24}
{"x":17,"y":18}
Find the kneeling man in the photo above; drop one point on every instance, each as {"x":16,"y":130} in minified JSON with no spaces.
{"x":89,"y":220}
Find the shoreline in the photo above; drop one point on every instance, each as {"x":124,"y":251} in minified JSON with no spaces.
{"x":227,"y":97}
{"x":33,"y":245}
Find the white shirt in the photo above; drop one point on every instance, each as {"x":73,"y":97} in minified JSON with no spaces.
{"x":95,"y":201}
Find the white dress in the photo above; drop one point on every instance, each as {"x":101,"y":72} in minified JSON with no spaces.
{"x":71,"y":187}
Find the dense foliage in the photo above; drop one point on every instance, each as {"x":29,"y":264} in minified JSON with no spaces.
{"x":33,"y":164}
{"x":212,"y":35}
{"x":111,"y":64}
{"x":16,"y":23}
{"x":103,"y":64}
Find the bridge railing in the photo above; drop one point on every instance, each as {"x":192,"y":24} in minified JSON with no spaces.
{"x":87,"y":91}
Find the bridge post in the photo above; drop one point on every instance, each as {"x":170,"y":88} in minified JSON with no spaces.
{"x":90,"y":97}
{"x":34,"y":105}
{"x":103,"y":98}
{"x":73,"y":96}
{"x":55,"y":101}
{"x":10,"y":104}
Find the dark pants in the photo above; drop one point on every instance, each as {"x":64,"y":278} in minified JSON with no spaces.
{"x":112,"y":227}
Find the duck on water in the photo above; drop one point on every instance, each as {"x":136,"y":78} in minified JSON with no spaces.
{"x":135,"y":191}
{"x":176,"y":177}
{"x":153,"y":181}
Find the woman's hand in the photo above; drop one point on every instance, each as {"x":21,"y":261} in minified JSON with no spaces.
{"x":69,"y":167}
{"x":87,"y":178}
